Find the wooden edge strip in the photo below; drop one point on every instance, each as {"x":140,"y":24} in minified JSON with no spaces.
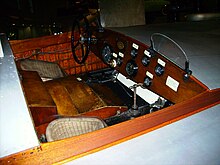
{"x":75,"y":147}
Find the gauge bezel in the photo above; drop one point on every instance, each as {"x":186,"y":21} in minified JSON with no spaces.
{"x":120,"y":45}
{"x":159,"y":70}
{"x":144,"y":59}
{"x":106,"y":56}
{"x":133,"y":70}
{"x":149,"y":82}
{"x":134,"y":52}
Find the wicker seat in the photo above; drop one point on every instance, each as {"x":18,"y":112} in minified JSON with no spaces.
{"x":46,"y":70}
{"x":72,"y":126}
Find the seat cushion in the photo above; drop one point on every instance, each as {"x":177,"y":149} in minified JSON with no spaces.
{"x":44,"y":68}
{"x":68,"y":127}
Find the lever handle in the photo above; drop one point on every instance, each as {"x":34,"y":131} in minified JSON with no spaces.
{"x":134,"y":87}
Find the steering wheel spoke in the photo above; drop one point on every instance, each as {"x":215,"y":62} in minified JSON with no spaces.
{"x":80,"y":40}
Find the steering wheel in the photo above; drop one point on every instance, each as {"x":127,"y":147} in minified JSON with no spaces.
{"x":80,"y":39}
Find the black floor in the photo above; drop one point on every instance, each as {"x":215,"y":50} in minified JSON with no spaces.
{"x":112,"y":92}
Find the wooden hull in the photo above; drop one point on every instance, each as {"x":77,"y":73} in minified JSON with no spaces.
{"x":57,"y":49}
{"x":47,"y":153}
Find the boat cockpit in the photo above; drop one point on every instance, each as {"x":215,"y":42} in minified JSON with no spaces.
{"x":147,"y":67}
{"x":91,"y":86}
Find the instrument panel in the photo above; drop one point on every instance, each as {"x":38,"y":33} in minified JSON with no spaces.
{"x":138,"y":62}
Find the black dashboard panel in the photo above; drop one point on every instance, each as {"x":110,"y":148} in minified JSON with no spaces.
{"x":135,"y":61}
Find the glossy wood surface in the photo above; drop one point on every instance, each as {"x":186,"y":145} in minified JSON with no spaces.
{"x":57,"y":49}
{"x":19,"y":46}
{"x":72,"y":96}
{"x":38,"y":98}
{"x":192,"y":97}
{"x":105,"y":112}
{"x":75,"y":147}
{"x":42,"y":115}
{"x":186,"y":89}
{"x":102,"y":113}
{"x":35,"y":91}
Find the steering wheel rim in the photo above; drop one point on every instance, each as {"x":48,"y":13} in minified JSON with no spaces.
{"x":80,"y":40}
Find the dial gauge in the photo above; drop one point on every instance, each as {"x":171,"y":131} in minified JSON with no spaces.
{"x":134,"y":53}
{"x":120,"y":45}
{"x":159,"y":70}
{"x":147,"y":81}
{"x":107,"y":54}
{"x":131,"y":68}
{"x":145,"y":60}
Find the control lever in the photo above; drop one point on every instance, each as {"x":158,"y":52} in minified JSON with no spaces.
{"x":131,"y":113}
{"x":134,"y":109}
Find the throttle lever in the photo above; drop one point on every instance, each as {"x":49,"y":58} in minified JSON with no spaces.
{"x":134,"y":108}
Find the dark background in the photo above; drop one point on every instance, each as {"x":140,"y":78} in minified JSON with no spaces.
{"x":30,"y":18}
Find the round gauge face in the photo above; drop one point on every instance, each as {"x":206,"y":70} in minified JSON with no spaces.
{"x":134,"y":53}
{"x":119,"y":61}
{"x":147,"y":82}
{"x":159,"y":70}
{"x":107,"y":54}
{"x":120,"y":45}
{"x":145,"y":61}
{"x":131,"y":68}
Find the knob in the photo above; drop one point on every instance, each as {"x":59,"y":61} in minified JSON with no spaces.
{"x":119,"y":61}
{"x":131,"y":68}
{"x":134,"y":53}
{"x":145,"y":61}
{"x":147,"y":81}
{"x":159,"y":70}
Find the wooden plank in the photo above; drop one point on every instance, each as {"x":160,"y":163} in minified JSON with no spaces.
{"x":35,"y":91}
{"x":38,"y":98}
{"x":43,"y":115}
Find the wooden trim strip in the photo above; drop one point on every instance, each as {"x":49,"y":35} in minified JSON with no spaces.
{"x":75,"y":147}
